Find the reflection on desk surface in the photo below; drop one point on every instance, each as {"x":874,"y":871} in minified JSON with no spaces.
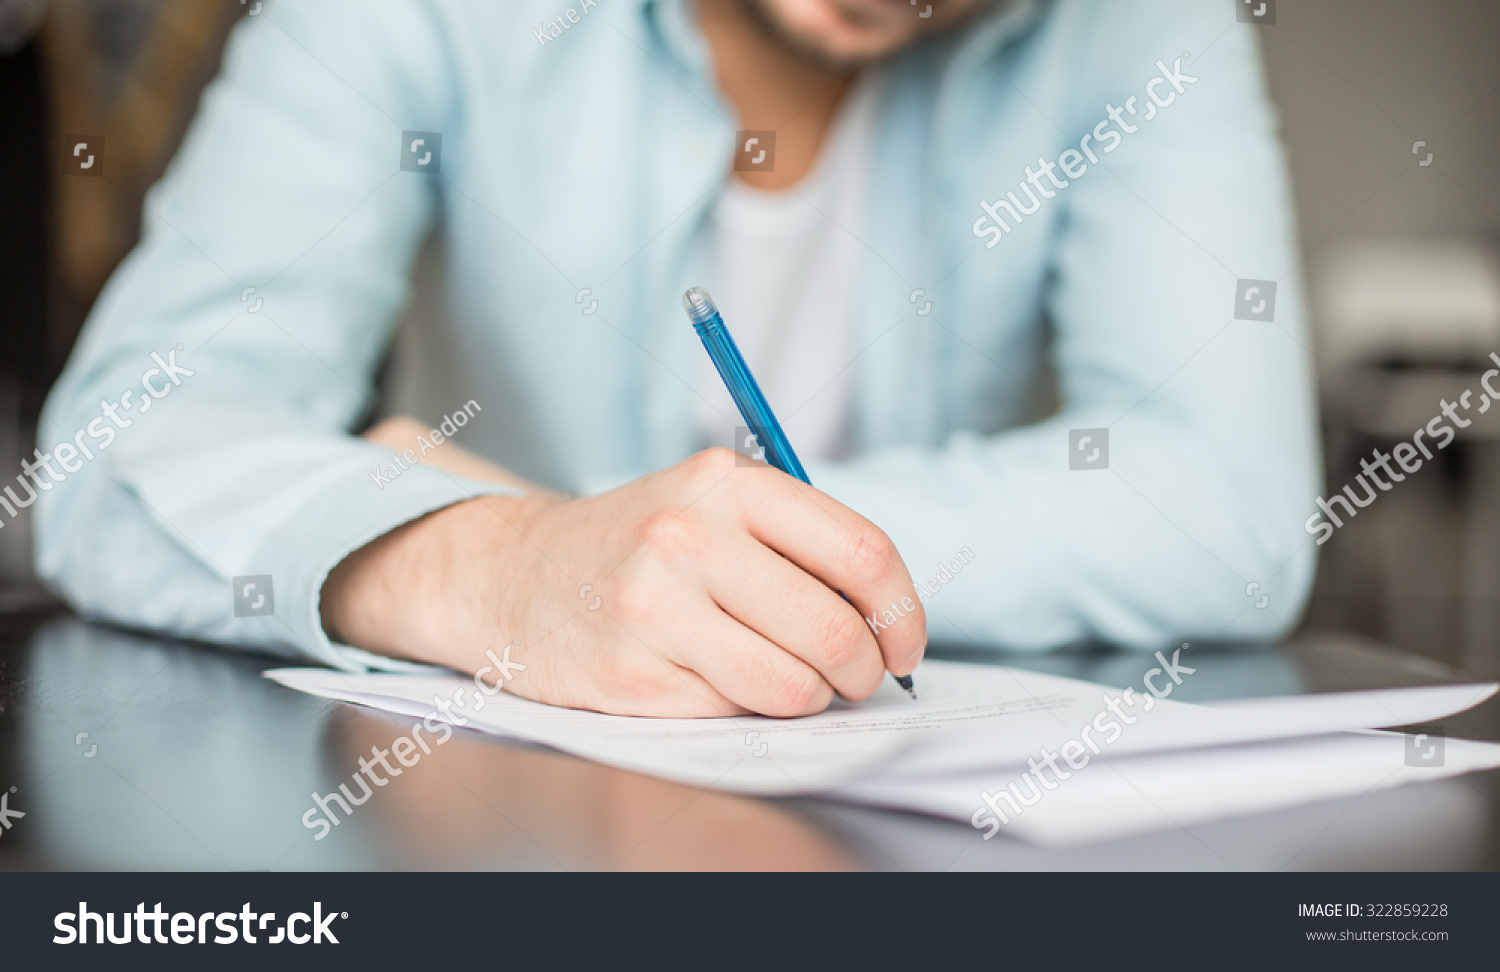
{"x":129,"y":751}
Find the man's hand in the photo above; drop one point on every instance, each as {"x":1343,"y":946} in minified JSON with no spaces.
{"x":706,"y":589}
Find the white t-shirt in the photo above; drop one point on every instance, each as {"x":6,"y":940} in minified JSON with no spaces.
{"x":783,"y":269}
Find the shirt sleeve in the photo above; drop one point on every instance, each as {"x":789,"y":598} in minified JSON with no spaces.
{"x":200,"y":430}
{"x":1191,"y":523}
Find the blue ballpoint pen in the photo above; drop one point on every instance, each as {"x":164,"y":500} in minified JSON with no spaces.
{"x":709,"y":324}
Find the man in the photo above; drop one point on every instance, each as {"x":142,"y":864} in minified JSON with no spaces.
{"x":827,"y":168}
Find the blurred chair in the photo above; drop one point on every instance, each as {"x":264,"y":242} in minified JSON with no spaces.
{"x":1403,"y":325}
{"x":126,"y":71}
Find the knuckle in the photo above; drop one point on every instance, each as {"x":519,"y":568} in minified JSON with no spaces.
{"x":801,"y":691}
{"x":666,"y":528}
{"x":635,"y":600}
{"x":671,"y":532}
{"x":843,"y":638}
{"x":705,"y":469}
{"x":628,"y":590}
{"x":633,"y":608}
{"x":870,"y":554}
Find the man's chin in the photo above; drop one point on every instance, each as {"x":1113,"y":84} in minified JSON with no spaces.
{"x":851,"y":33}
{"x":839,"y":33}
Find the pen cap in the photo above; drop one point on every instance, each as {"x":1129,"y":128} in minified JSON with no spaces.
{"x":699,"y":306}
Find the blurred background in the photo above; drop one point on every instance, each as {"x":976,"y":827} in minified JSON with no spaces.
{"x":1391,"y":117}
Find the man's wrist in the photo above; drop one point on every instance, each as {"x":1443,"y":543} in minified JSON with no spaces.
{"x":384,"y":597}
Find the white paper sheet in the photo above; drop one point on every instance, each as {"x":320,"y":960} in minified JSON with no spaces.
{"x":1136,"y":794}
{"x":750,"y":754}
{"x":973,"y":729}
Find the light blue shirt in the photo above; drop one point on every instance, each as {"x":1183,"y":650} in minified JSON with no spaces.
{"x":590,"y":160}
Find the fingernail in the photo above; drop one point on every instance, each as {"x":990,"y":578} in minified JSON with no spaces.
{"x":911,"y":661}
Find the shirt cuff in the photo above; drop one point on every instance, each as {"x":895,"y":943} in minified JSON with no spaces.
{"x":308,"y":545}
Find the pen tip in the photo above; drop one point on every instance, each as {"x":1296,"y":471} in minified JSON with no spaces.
{"x":905,"y":682}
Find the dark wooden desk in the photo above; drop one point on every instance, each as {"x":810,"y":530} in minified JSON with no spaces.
{"x":131,"y":752}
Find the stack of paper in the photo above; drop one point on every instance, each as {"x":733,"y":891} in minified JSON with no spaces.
{"x":1052,"y":760}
